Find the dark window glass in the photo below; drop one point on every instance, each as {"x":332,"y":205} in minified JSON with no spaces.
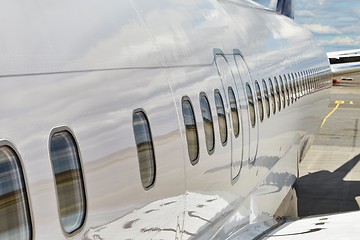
{"x":282,"y":86}
{"x":293,"y":86}
{"x":290,"y":84}
{"x":306,"y":76}
{"x":221,"y":116}
{"x":298,"y":85}
{"x":191,"y":130}
{"x":272,"y":91}
{"x":314,"y":80}
{"x":297,"y":90}
{"x":321,"y":77}
{"x":303,"y":83}
{"x":267,"y":100}
{"x":251,"y":104}
{"x":259,"y":100}
{"x":145,"y":149}
{"x":66,"y":166}
{"x":307,"y":83}
{"x":278,"y":93}
{"x":208,"y":123}
{"x":15,"y":220}
{"x":317,"y":80}
{"x":234,"y":112}
{"x":287,"y":88}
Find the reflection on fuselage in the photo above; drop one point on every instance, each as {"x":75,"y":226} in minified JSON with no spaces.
{"x":149,"y":221}
{"x":126,"y":80}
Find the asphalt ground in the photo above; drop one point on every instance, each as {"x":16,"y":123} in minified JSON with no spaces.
{"x":329,"y":175}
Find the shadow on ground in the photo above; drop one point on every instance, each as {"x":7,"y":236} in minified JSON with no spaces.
{"x":326,"y":192}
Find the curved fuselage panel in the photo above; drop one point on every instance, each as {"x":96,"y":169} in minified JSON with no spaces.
{"x":90,"y":66}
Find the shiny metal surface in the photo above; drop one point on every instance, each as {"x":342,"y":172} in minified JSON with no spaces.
{"x":90,"y":71}
{"x":329,"y":227}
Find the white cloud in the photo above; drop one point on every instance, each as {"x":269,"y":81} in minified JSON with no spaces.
{"x":344,"y":41}
{"x":321,"y":29}
{"x":331,"y":21}
{"x":322,"y":2}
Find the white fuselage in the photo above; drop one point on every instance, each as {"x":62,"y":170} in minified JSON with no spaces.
{"x":87,"y":66}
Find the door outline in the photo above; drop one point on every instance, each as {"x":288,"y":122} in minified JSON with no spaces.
{"x":227,"y":82}
{"x":254,"y":131}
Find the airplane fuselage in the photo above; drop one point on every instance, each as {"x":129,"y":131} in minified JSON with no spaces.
{"x":175,"y":119}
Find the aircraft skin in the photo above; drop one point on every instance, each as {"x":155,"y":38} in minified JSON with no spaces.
{"x":87,"y":67}
{"x":345,"y":62}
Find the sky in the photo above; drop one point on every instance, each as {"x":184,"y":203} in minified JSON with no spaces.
{"x":336,"y":24}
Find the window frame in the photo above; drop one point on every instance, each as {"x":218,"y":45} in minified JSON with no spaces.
{"x":81,"y":171}
{"x":195,"y":160}
{"x":303,"y":83}
{"x":211,"y":150}
{"x":272,"y":95}
{"x":23,"y":178}
{"x":287,"y":89}
{"x":309,"y":79}
{"x":294,"y":86}
{"x":314,"y":79}
{"x":251,"y":103}
{"x":140,"y":110}
{"x":283,"y":92}
{"x":278,"y":93}
{"x":217,"y":91}
{"x":298,"y":84}
{"x":307,"y":83}
{"x":259,"y":99}
{"x":291,"y":86}
{"x":267,"y":98}
{"x":236,"y":134}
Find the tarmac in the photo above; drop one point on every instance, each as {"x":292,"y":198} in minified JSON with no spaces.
{"x":329,"y":175}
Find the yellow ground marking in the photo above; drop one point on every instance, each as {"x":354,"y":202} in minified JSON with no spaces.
{"x":337,"y":102}
{"x":351,"y":103}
